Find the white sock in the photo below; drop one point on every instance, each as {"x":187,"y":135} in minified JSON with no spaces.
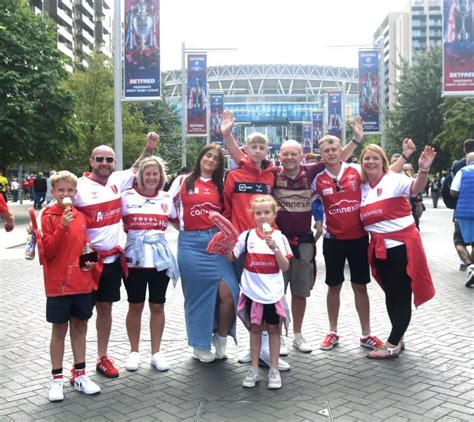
{"x":265,"y":343}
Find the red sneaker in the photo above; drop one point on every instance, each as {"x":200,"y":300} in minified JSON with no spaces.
{"x":371,"y":342}
{"x":330,"y":341}
{"x":105,"y":366}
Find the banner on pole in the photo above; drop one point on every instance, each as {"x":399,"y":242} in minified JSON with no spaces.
{"x":217,"y":108}
{"x":458,"y":48}
{"x":335,"y":123}
{"x":197,"y":94}
{"x":142,"y":49}
{"x":307,"y":137}
{"x":369,"y":103}
{"x":317,"y":129}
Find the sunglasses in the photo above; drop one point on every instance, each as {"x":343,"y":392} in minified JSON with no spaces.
{"x":338,"y":187}
{"x":99,"y":159}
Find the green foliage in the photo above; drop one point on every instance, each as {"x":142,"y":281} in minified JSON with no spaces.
{"x":417,"y":114}
{"x":93,"y":90}
{"x":458,"y":125}
{"x":162,"y":118}
{"x":36,"y":106}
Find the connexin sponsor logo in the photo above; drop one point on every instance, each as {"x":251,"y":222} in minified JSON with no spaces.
{"x":344,"y":206}
{"x":203,"y":209}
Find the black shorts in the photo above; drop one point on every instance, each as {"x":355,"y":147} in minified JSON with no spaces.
{"x":61,"y":309}
{"x":270,"y":315}
{"x":457,"y":236}
{"x":109,"y":283}
{"x":139,"y":278}
{"x":355,"y":251}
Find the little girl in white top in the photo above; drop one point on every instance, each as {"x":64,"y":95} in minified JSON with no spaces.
{"x":262,"y":302}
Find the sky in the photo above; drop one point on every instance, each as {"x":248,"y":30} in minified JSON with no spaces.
{"x":272,"y":31}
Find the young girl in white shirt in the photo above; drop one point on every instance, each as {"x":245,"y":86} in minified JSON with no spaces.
{"x":262,"y":301}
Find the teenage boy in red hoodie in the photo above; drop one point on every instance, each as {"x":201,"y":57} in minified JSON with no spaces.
{"x":68,"y":283}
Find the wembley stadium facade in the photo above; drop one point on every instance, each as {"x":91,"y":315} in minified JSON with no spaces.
{"x":274,"y":99}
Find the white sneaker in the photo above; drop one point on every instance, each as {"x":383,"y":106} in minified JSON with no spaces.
{"x":300,"y":343}
{"x":133,"y":361}
{"x":158,"y":360}
{"x":253,"y":376}
{"x":56,"y":390}
{"x":220,"y":344}
{"x":245,"y":357}
{"x":283,"y":347}
{"x":265,"y":362}
{"x":85,"y":385}
{"x":203,"y":355}
{"x":469,"y":273}
{"x":274,"y":379}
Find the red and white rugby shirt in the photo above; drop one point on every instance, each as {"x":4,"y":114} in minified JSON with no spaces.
{"x":102,"y":206}
{"x":385,"y":207}
{"x":193,"y":208}
{"x":262,"y":280}
{"x":341,"y":195}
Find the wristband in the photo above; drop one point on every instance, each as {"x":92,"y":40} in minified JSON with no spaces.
{"x":422,"y":170}
{"x":405,"y":157}
{"x":355,"y":141}
{"x":226,"y":133}
{"x":276,"y":249}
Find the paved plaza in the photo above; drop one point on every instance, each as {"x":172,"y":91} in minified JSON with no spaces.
{"x":432,"y":380}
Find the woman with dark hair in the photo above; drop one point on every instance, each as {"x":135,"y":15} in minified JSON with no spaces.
{"x":396,"y":252}
{"x":146,"y":211}
{"x":209,"y":281}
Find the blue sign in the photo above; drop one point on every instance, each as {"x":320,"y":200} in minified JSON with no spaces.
{"x":369,"y":104}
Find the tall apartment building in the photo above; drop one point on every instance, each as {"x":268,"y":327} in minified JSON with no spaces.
{"x":401,"y":36}
{"x":84,"y":27}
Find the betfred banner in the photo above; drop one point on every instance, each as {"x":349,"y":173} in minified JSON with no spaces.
{"x":307,"y":137}
{"x":369,"y":105}
{"x":197,"y":95}
{"x":217,"y":108}
{"x":335,"y":114}
{"x":458,"y":48}
{"x":317,"y":129}
{"x":142,"y":49}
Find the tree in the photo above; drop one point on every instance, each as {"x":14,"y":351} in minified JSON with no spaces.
{"x":417,"y":114}
{"x":36,"y":107}
{"x":458,"y":125}
{"x":161,"y":117}
{"x":94,"y":110}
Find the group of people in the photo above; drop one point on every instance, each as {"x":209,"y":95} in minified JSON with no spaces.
{"x":270,"y":208}
{"x":36,"y":188}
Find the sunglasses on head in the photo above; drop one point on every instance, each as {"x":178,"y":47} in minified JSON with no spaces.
{"x":99,"y":159}
{"x":338,"y":187}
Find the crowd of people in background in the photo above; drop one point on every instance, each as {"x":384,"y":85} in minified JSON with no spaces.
{"x":367,"y":212}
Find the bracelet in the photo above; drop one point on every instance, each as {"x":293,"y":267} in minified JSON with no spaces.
{"x":276,"y":249}
{"x":355,"y":141}
{"x":226,"y":134}
{"x":422,"y":170}
{"x":405,"y":157}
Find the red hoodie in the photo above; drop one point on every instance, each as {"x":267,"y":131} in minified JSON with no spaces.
{"x":62,"y":248}
{"x":240,"y":186}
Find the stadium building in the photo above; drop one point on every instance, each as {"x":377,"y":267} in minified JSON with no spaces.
{"x":274,"y":99}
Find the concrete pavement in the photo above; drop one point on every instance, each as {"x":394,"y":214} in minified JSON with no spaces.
{"x":432,"y":380}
